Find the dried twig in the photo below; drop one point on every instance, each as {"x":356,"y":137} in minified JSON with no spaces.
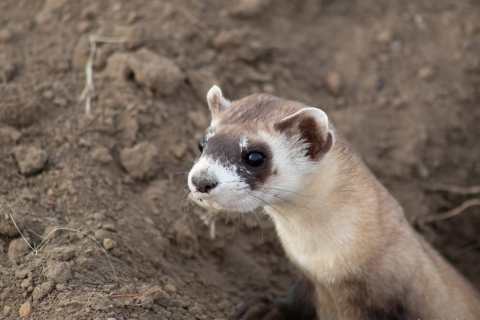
{"x":88,"y":89}
{"x":451,"y":213}
{"x":454,"y":189}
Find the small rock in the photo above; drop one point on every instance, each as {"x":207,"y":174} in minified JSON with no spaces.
{"x":7,"y":228}
{"x":141,"y":161}
{"x":59,"y":101}
{"x":19,"y":106}
{"x":384,"y":36}
{"x":132,"y":17}
{"x":333,"y":83}
{"x":22,"y":273}
{"x":100,"y":304}
{"x":9,"y":136}
{"x":5,"y":36}
{"x":195,"y":310}
{"x":49,"y":94}
{"x":157,"y":295}
{"x":30,"y":160}
{"x":42,"y":290}
{"x":250,"y":8}
{"x":170,"y":289}
{"x":426,"y":73}
{"x":26,"y":283}
{"x":102,"y":155}
{"x":135,"y":37}
{"x":17,"y":248}
{"x":25,"y":310}
{"x":60,"y":272}
{"x":199,"y":120}
{"x":109,"y":244}
{"x":62,"y":253}
{"x":201,"y":81}
{"x":158,"y":73}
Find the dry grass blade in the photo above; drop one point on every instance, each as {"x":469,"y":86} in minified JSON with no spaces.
{"x":88,"y":89}
{"x":451,"y":213}
{"x":46,"y":239}
{"x":454,"y":189}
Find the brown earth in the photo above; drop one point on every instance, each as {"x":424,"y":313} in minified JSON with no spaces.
{"x":401,"y":79}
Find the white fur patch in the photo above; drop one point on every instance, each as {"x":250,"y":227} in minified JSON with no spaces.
{"x":243,"y":144}
{"x":231,"y":193}
{"x":209,"y":135}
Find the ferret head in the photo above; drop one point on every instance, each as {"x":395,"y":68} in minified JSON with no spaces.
{"x":257,"y":151}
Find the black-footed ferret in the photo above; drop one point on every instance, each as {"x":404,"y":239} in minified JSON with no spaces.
{"x":358,"y":256}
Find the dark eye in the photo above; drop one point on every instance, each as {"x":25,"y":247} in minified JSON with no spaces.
{"x":201,"y":144}
{"x":255,"y":159}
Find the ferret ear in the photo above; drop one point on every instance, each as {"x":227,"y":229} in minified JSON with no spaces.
{"x":216,"y":101}
{"x":312,"y":126}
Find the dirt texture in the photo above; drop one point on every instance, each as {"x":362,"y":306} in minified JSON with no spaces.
{"x":400,"y":79}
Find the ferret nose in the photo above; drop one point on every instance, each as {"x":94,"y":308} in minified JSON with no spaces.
{"x":203,"y":184}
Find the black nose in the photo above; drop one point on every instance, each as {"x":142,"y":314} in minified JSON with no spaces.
{"x":203,"y":184}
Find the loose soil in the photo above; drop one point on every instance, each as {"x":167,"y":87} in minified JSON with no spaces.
{"x":400,"y":79}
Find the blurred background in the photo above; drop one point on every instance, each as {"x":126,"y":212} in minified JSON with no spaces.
{"x":400,"y":79}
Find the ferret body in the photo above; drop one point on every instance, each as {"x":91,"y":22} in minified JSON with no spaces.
{"x":357,"y":254}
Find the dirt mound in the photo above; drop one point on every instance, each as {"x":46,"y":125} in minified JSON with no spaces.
{"x":102,"y":201}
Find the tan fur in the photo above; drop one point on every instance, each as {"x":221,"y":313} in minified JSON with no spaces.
{"x":346,"y":233}
{"x":360,"y":245}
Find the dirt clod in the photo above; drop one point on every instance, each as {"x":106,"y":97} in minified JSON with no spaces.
{"x":62,"y":253}
{"x":42,"y":290}
{"x":102,"y":155}
{"x":17,"y":248}
{"x":9,"y":136}
{"x":60,"y":272}
{"x":141,"y":161}
{"x":25,"y":309}
{"x":30,"y":160}
{"x":158,"y":73}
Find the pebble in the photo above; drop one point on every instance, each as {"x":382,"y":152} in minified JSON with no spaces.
{"x":250,"y":8}
{"x":170,"y":288}
{"x":42,"y":290}
{"x":90,"y":12}
{"x":25,"y":309}
{"x":83,"y":26}
{"x":384,"y":36}
{"x":109,"y":244}
{"x":333,"y":83}
{"x":100,"y":304}
{"x":30,"y":160}
{"x":9,"y":71}
{"x":17,"y":248}
{"x":141,"y":161}
{"x":426,"y":73}
{"x":102,"y":155}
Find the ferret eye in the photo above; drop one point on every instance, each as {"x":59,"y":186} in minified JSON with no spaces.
{"x":201,"y":144}
{"x":255,"y":159}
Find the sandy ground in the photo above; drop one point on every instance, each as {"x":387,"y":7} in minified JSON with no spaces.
{"x":401,"y":80}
